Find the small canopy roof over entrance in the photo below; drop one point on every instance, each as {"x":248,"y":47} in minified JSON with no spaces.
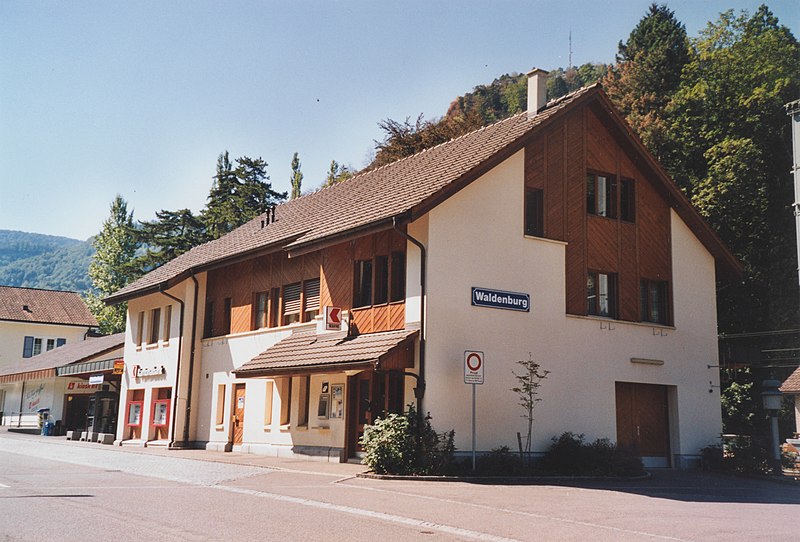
{"x":307,"y":352}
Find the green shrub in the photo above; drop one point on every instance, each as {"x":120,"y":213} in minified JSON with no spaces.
{"x":737,"y":456}
{"x":569,"y":455}
{"x":498,"y":462}
{"x":398,"y":444}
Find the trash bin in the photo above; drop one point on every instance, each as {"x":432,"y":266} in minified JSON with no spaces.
{"x":47,"y":429}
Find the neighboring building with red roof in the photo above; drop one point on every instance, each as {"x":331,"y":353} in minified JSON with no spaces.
{"x":552,"y":233}
{"x":32,"y":323}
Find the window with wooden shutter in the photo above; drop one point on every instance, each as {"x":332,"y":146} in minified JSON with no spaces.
{"x":310,"y":299}
{"x":27,"y":347}
{"x":291,"y":303}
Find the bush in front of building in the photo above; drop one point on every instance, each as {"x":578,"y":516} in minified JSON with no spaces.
{"x":399,"y":444}
{"x":570,"y":455}
{"x":742,"y":456}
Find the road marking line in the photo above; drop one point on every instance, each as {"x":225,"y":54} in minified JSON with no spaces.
{"x":3,"y":485}
{"x":526,"y":514}
{"x":391,"y":518}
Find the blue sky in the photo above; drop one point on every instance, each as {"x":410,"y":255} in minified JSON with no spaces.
{"x":139,"y":98}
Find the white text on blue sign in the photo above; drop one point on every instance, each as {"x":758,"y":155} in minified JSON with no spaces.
{"x":498,"y":299}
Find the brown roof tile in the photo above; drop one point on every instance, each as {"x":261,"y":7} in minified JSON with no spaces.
{"x":44,"y":307}
{"x":306,"y":349}
{"x":72,"y":352}
{"x":792,"y":384}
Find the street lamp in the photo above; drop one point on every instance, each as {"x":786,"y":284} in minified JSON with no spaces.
{"x":772,"y":398}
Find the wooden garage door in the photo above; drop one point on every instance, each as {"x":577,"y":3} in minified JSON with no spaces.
{"x":642,"y":418}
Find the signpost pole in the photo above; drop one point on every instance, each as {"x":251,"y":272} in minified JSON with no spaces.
{"x":473,"y":427}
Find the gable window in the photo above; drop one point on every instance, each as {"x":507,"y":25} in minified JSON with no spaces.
{"x":155,"y":321}
{"x":601,"y":294}
{"x":398,"y":288}
{"x":653,"y":301}
{"x":534,"y":212}
{"x":310,"y":299}
{"x":601,"y":195}
{"x":627,"y":200}
{"x":291,"y":303}
{"x":362,"y":290}
{"x":226,"y":316}
{"x":262,"y":303}
{"x":208,"y":324}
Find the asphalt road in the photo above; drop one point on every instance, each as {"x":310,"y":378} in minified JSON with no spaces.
{"x":57,"y":490}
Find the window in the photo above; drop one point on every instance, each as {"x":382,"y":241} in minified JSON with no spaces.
{"x":262,"y":306}
{"x":27,"y":347}
{"x":226,"y":316}
{"x":51,"y":343}
{"x":60,"y":342}
{"x":37,"y":346}
{"x":534,"y":212}
{"x":362,"y":286}
{"x":285,"y":392}
{"x":220,"y":414}
{"x":291,"y":303}
{"x":155,"y":322}
{"x":275,"y":293}
{"x":302,"y":414}
{"x":167,"y":323}
{"x":140,"y":329}
{"x":398,"y":289}
{"x":653,"y":301}
{"x":208,"y":324}
{"x":389,"y":274}
{"x":601,"y":294}
{"x":381,"y":294}
{"x":627,"y":200}
{"x":310,"y":299}
{"x":601,"y":195}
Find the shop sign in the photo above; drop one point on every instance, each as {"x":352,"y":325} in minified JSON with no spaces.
{"x":119,"y":367}
{"x":82,"y":387}
{"x":96,"y":379}
{"x":141,"y":372}
{"x":499,"y":299}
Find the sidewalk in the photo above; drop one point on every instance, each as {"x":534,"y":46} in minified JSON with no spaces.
{"x":340,"y":470}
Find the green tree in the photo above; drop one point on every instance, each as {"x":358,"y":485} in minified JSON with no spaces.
{"x":219,"y":216}
{"x":296,"y":177}
{"x":255,"y":193}
{"x":337,"y":173}
{"x":171,"y":234}
{"x":731,"y":152}
{"x":115,"y":247}
{"x":648,"y":73}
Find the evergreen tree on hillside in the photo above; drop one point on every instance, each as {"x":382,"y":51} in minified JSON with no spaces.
{"x":296,"y":177}
{"x":732,"y":155}
{"x":647,"y":74}
{"x":115,"y":246}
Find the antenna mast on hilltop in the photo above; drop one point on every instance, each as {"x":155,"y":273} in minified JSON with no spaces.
{"x":569,"y":64}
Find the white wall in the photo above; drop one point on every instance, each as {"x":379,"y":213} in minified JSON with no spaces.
{"x":12,"y":338}
{"x":585,"y":355}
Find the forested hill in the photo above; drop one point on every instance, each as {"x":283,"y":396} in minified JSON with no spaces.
{"x":44,"y":261}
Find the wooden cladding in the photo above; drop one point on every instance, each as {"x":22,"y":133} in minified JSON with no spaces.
{"x":633,"y":243}
{"x":264,"y":291}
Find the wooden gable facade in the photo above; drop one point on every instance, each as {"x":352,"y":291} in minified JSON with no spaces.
{"x":632,"y":246}
{"x":257,"y":293}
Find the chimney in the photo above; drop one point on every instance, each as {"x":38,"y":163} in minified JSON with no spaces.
{"x":537,"y":91}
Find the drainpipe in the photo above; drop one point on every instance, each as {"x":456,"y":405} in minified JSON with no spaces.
{"x":419,"y":391}
{"x":178,"y":365}
{"x":191,"y":362}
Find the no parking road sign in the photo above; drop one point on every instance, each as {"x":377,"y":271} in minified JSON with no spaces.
{"x":473,"y":367}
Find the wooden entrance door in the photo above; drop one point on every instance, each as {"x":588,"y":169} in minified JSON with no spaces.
{"x":359,"y":409}
{"x":238,"y":413}
{"x":643,"y":419}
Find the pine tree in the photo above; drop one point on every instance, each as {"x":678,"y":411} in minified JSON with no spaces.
{"x":337,"y":173}
{"x":115,"y":247}
{"x":648,"y":73}
{"x":171,"y":234}
{"x":219,"y":216}
{"x":255,"y":193}
{"x":297,"y":176}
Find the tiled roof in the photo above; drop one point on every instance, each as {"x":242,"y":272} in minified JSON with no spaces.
{"x":792,"y":384}
{"x":44,"y":307}
{"x":307,"y":349}
{"x":366,"y":199}
{"x":72,"y":352}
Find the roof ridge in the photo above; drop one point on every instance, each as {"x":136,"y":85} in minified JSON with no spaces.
{"x":39,"y":289}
